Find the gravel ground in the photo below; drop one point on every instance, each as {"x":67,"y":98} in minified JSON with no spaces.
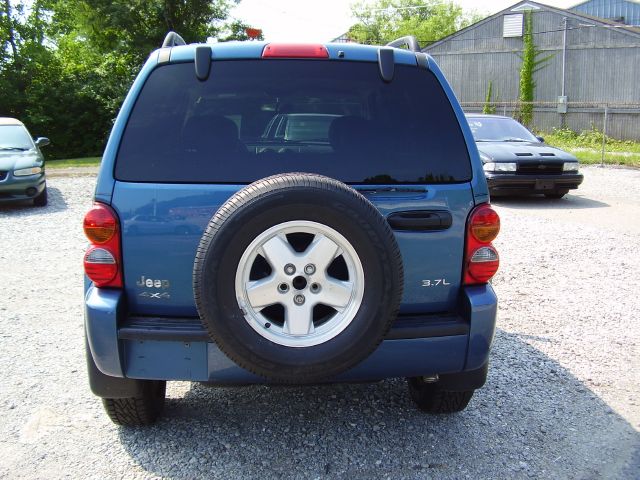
{"x":561,"y":401}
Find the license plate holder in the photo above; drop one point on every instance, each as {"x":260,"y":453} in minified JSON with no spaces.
{"x":545,"y":184}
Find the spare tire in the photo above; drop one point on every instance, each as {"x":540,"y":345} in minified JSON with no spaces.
{"x":297,"y":278}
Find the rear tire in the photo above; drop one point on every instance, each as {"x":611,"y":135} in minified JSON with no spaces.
{"x":556,"y":195}
{"x":430,"y":398}
{"x":41,"y":199}
{"x":143,"y":409}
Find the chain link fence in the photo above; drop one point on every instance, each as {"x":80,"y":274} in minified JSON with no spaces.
{"x":615,"y":120}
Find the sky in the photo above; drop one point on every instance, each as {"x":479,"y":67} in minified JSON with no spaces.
{"x":324,"y":20}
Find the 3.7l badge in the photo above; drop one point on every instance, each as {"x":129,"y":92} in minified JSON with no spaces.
{"x":435,"y":282}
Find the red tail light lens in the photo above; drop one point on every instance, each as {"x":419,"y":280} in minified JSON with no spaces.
{"x":103,"y":259}
{"x":294,"y":50}
{"x":481,"y":258}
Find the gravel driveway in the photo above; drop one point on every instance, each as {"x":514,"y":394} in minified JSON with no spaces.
{"x":562,"y":400}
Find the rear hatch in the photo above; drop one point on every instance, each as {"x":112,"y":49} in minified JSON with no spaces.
{"x":190,"y":144}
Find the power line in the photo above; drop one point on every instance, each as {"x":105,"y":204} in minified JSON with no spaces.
{"x":392,"y":8}
{"x":424,"y":40}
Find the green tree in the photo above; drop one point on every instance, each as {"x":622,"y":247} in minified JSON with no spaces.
{"x":22,"y":35}
{"x":237,"y":30}
{"x":427,"y":20}
{"x":136,"y":27}
{"x":66,"y":65}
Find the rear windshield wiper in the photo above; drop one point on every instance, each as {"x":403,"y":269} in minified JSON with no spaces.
{"x":514,"y":140}
{"x":20,"y":149}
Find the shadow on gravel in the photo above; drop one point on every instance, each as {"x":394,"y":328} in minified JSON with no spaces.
{"x":56,"y":203}
{"x":538,"y":201}
{"x":532,"y":419}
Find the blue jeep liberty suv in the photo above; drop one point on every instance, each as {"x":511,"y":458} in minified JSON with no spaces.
{"x":289,"y":214}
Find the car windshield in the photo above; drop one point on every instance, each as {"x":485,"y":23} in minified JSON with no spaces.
{"x":14,"y":137}
{"x":488,"y":129}
{"x":300,"y":128}
{"x":252,"y":119}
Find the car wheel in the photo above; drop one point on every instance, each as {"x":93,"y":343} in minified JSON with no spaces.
{"x":41,"y":199}
{"x":140,"y":410}
{"x":556,"y":195}
{"x":430,"y":398}
{"x":297,"y":278}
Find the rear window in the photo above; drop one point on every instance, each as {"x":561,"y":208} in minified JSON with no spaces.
{"x":255,"y":118}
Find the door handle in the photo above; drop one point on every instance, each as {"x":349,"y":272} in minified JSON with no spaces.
{"x":420,"y":220}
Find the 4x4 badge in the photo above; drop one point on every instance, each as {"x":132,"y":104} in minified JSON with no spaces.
{"x":154,"y":295}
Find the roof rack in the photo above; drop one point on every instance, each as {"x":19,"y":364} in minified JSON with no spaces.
{"x":172,"y":39}
{"x":410,"y":41}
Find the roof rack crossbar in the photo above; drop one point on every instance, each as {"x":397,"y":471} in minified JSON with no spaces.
{"x":172,"y":39}
{"x":410,"y":41}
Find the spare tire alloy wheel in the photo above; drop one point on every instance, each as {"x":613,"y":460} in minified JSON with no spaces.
{"x":297,"y":278}
{"x":298,"y":282}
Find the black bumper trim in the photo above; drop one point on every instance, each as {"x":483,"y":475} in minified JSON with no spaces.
{"x":564,"y":181}
{"x":427,"y":326}
{"x":163,"y":328}
{"x":191,"y":330}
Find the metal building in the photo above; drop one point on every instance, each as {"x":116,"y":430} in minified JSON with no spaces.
{"x":593,"y":65}
{"x":621,"y":11}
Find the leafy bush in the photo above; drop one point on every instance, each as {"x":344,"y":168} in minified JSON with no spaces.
{"x":591,"y":139}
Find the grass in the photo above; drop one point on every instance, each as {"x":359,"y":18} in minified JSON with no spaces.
{"x":74,"y":162}
{"x":587,"y":146}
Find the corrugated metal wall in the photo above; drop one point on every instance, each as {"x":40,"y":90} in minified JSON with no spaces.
{"x":629,"y":12}
{"x":602,"y":66}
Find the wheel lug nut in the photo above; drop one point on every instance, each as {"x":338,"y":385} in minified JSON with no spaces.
{"x":289,"y":269}
{"x":315,"y":288}
{"x":310,"y":269}
{"x":283,"y":288}
{"x":298,"y":299}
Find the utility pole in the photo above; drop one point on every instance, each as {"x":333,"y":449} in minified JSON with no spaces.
{"x":604,"y":132}
{"x":564,"y":51}
{"x":562,"y":99}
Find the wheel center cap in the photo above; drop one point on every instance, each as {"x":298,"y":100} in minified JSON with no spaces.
{"x":299,"y":283}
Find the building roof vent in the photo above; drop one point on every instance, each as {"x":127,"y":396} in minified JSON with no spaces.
{"x":512,"y":26}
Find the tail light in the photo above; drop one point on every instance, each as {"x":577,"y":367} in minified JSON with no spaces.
{"x":481,"y":260}
{"x":103,"y":259}
{"x":294,"y":50}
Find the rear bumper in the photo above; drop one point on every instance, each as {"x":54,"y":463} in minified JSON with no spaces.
{"x":178,"y":349}
{"x":505,"y":183}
